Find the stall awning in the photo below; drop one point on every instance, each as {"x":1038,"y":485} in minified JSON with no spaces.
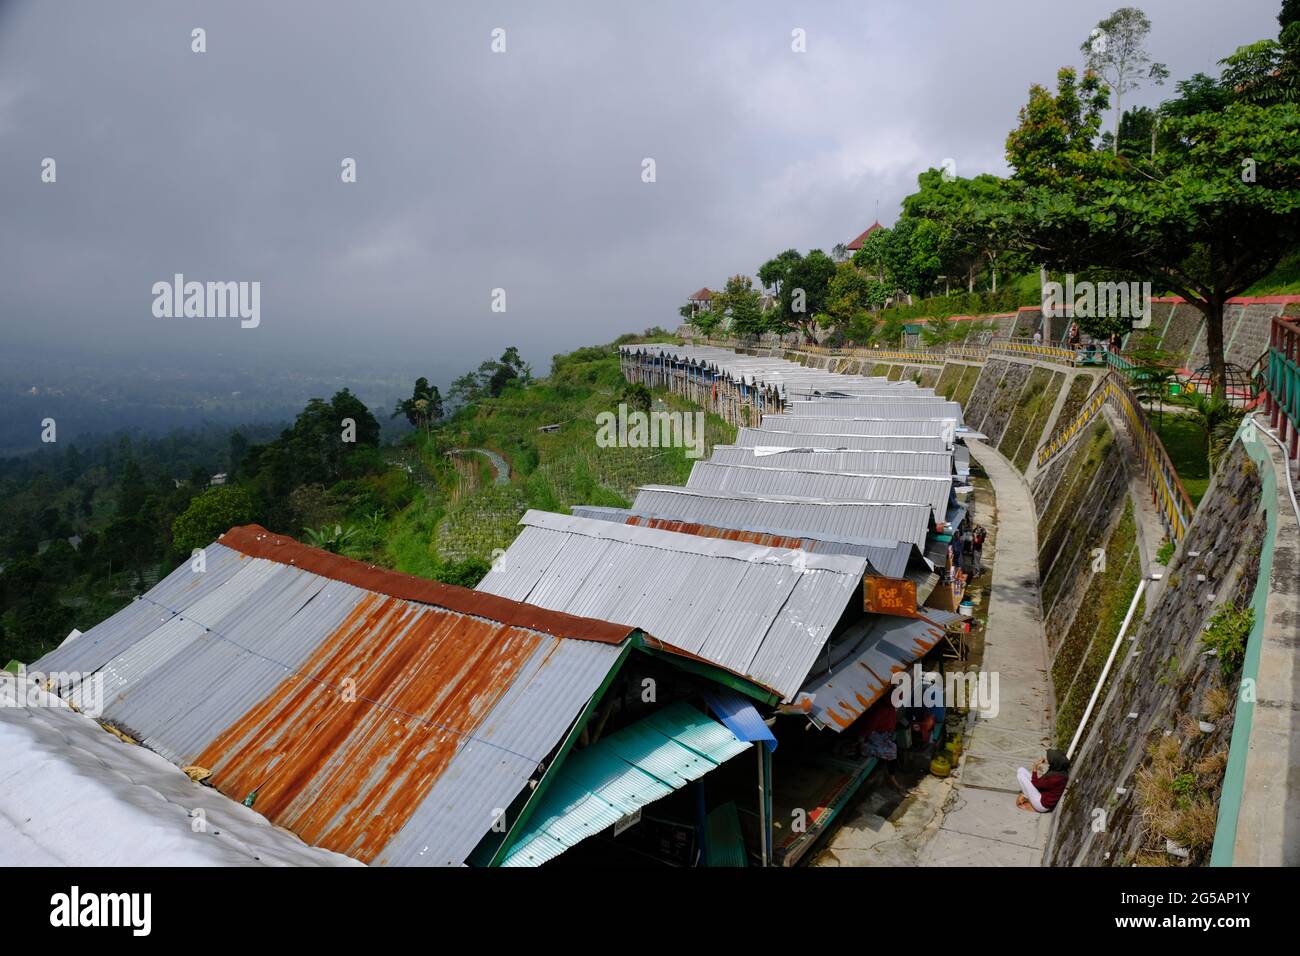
{"x":864,"y":664}
{"x":740,"y":716}
{"x":618,"y":775}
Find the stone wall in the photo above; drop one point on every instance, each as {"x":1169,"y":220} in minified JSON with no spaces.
{"x":1149,"y":770}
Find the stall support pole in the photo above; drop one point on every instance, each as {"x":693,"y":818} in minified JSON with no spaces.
{"x":765,"y":802}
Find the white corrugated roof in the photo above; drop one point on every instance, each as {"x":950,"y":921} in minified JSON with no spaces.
{"x":930,"y":464}
{"x":74,"y":795}
{"x":792,"y":515}
{"x":759,"y":611}
{"x":829,"y":485}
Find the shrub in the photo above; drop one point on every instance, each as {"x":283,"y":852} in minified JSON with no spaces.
{"x":1227,"y":632}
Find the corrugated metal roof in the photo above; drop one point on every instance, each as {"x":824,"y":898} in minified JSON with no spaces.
{"x":785,"y":377}
{"x":862,"y":663}
{"x":377,"y":726}
{"x":829,"y":486}
{"x":739,"y":716}
{"x":755,"y":437}
{"x":814,"y":425}
{"x":904,"y":463}
{"x":890,"y":559}
{"x":791,"y":515}
{"x":758,"y":611}
{"x":73,"y":795}
{"x":620,"y":774}
{"x":907,"y":409}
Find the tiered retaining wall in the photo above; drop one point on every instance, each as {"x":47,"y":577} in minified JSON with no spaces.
{"x":1149,"y":770}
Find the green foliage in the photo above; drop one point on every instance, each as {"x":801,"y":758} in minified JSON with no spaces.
{"x":1226,"y":633}
{"x":1166,"y":553}
{"x":1209,"y":214}
{"x":336,"y":540}
{"x":465,"y":573}
{"x":739,"y":302}
{"x":424,"y":407}
{"x":212,"y":513}
{"x":802,"y":285}
{"x":491,"y":379}
{"x":1218,"y":421}
{"x":637,"y":397}
{"x":1006,"y":299}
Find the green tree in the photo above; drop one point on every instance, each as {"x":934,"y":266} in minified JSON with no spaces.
{"x":424,"y":407}
{"x":1190,"y":219}
{"x":707,"y":321}
{"x":131,"y":490}
{"x":212,"y":513}
{"x":1218,"y":419}
{"x":773,"y":272}
{"x":914,"y":254}
{"x":740,"y":303}
{"x":637,"y":397}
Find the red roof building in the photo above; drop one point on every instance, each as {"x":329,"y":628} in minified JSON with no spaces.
{"x":856,"y":244}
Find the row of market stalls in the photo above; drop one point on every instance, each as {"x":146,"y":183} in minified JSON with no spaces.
{"x":675,"y":683}
{"x":809,"y":561}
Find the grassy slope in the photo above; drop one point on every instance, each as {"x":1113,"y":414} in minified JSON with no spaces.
{"x":452,"y":520}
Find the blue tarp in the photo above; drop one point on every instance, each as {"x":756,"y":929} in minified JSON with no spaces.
{"x":739,"y":716}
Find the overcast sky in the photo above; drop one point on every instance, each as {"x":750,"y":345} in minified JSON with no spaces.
{"x":478,"y":170}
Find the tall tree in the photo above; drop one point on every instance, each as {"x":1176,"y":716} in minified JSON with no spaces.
{"x":1116,"y":50}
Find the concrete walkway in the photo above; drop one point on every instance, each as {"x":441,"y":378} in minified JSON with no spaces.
{"x":982,"y":825}
{"x":971,"y":818}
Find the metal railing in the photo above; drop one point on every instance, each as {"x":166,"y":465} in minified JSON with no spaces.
{"x":1023,"y":348}
{"x":1282,"y":383}
{"x":1171,"y":499}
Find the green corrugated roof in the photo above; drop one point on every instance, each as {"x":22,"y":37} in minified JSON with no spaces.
{"x":614,"y":777}
{"x":725,"y":845}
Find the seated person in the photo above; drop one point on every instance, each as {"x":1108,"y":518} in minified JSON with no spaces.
{"x":1042,"y":789}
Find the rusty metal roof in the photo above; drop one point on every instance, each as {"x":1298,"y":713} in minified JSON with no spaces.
{"x":381,"y":716}
{"x":858,"y":669}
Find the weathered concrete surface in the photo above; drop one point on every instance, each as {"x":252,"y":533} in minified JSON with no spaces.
{"x":874,"y":836}
{"x":1268,"y":823}
{"x":982,"y":825}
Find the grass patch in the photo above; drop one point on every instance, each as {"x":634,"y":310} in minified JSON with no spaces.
{"x":949,"y":380}
{"x":966,"y":384}
{"x":1187,"y":449}
{"x":1083,"y":652}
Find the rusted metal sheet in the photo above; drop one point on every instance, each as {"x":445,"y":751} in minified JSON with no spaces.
{"x":382,"y":727}
{"x":708,"y":531}
{"x":864,"y":664}
{"x":889,"y":595}
{"x":256,"y":541}
{"x":346,"y":774}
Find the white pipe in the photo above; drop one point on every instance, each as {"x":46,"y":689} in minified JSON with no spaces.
{"x":1123,"y":628}
{"x":1286,"y":460}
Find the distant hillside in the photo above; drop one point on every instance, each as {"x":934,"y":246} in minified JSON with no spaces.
{"x":87,"y":529}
